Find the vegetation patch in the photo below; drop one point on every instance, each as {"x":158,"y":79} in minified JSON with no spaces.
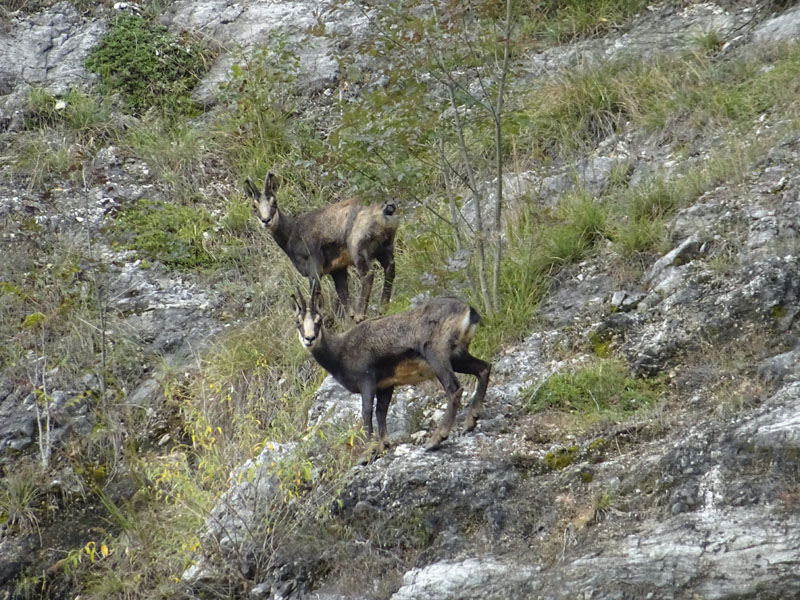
{"x":561,"y":458}
{"x":149,"y":67}
{"x":76,"y":111}
{"x":179,"y":237}
{"x":21,"y":500}
{"x":598,"y":391}
{"x":260,"y":132}
{"x":682,"y":98}
{"x":561,"y":21}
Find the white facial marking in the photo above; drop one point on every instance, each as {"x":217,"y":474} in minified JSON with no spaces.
{"x":310,"y":330}
{"x":265,"y":213}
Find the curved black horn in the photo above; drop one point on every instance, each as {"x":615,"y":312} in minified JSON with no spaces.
{"x":315,"y":292}
{"x":299,"y":300}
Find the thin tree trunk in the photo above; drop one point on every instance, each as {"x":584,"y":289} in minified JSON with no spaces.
{"x":455,"y":213}
{"x":498,"y":141}
{"x":45,"y":431}
{"x":480,"y":231}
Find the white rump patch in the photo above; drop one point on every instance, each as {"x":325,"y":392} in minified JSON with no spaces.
{"x":468,"y":327}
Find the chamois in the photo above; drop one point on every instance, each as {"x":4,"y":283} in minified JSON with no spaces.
{"x":329,"y":239}
{"x":374,"y":356}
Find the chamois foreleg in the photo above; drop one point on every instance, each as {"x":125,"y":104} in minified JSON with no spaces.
{"x":384,"y":397}
{"x":342,"y":291}
{"x":447,"y":377}
{"x":386,"y":260}
{"x":473,"y":366}
{"x":367,"y":400}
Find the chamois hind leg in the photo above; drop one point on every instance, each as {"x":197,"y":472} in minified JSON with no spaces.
{"x":386,"y":260}
{"x":342,"y":292}
{"x":367,"y":275}
{"x":449,"y":381}
{"x":479,"y":368}
{"x":384,"y":397}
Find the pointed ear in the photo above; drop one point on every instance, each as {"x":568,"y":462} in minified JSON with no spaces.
{"x":251,"y":189}
{"x":271,"y":185}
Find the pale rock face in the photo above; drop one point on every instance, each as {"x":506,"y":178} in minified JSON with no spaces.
{"x":782,"y":28}
{"x":470,"y":578}
{"x":238,"y":27}
{"x":46,"y":49}
{"x":334,"y":404}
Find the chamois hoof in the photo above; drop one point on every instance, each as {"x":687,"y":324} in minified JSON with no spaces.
{"x":357,"y":318}
{"x":373,"y":451}
{"x":469,"y":424}
{"x":436,"y":441}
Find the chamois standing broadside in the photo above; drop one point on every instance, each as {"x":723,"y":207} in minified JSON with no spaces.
{"x":374,"y":356}
{"x":329,"y":239}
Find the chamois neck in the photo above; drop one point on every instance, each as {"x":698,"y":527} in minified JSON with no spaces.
{"x":326,"y":352}
{"x":283,"y":228}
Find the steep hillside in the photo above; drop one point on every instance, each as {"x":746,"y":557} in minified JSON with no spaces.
{"x":613,"y":185}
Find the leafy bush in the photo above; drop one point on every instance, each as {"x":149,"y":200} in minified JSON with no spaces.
{"x":149,"y":67}
{"x":261,"y":131}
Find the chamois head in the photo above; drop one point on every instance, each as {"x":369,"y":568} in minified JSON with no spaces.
{"x":265,"y":205}
{"x":308,"y":320}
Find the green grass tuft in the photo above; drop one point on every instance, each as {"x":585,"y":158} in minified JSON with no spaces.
{"x":600,"y":390}
{"x":177,"y":236}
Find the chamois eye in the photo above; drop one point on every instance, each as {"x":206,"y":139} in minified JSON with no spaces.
{"x":317,"y":320}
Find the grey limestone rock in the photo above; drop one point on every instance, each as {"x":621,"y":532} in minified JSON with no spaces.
{"x":46,"y":49}
{"x":784,"y":27}
{"x":237,"y":27}
{"x":469,"y":578}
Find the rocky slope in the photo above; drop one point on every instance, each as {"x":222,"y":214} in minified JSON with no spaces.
{"x":702,"y":496}
{"x":697,"y":499}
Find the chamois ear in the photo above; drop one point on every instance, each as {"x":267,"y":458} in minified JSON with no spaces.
{"x":251,"y":189}
{"x":271,"y":185}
